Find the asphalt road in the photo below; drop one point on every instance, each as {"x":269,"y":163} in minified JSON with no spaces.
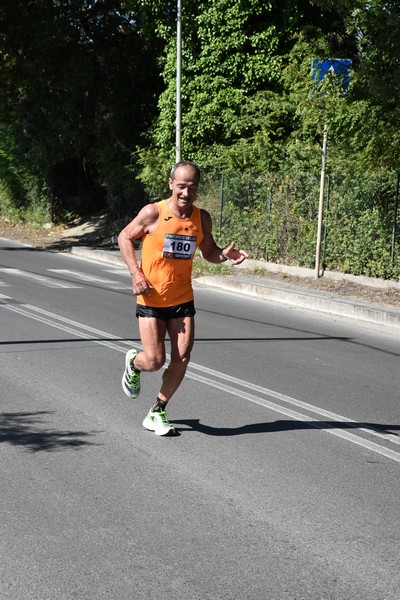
{"x":283,"y":482}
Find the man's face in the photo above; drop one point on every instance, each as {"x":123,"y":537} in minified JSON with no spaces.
{"x":184,"y":186}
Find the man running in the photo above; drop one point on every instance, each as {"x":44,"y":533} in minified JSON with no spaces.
{"x":170,"y":231}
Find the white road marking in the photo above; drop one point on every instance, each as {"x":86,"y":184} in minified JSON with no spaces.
{"x":48,"y":318}
{"x":298,"y":403}
{"x":43,"y":279}
{"x":117,"y":285}
{"x":122,"y":271}
{"x":84,"y":331}
{"x":338,"y":431}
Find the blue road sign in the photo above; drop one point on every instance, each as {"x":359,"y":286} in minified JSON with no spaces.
{"x":340,"y":67}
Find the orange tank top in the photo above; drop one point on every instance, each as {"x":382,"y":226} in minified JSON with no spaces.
{"x":167,"y":257}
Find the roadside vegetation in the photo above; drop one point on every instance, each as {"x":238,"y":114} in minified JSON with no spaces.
{"x":87,"y":119}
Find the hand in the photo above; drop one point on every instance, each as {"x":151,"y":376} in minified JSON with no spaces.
{"x":235,"y":255}
{"x":140,"y":285}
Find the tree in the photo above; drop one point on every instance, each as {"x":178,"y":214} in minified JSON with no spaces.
{"x":79,"y":87}
{"x":366,"y":127}
{"x":238,"y":103}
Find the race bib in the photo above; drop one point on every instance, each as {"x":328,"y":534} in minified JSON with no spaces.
{"x":179,"y":246}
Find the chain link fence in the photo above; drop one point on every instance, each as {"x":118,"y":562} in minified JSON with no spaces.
{"x":274,"y":217}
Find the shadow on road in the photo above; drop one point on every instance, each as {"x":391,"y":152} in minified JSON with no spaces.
{"x":27,"y":429}
{"x":282,"y":425}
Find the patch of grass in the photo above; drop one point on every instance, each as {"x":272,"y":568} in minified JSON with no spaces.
{"x":260,"y":271}
{"x":202,"y":267}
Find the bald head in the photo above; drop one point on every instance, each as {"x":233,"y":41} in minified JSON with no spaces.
{"x":187,"y":164}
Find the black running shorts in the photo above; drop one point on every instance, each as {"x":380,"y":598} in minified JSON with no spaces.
{"x":165,"y":314}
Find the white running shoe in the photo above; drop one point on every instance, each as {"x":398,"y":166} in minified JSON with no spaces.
{"x":158,"y":422}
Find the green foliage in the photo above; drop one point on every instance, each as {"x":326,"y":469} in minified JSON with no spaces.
{"x":363,"y":247}
{"x":359,"y":225}
{"x":229,"y":52}
{"x":275,"y":218}
{"x":154,"y":172}
{"x":88,"y":108}
{"x":77,"y":91}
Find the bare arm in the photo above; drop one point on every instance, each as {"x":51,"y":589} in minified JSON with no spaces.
{"x":140,"y":225}
{"x":213,"y":253}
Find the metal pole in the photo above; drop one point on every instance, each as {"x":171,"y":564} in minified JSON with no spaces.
{"x":269,"y":206}
{"x":178,"y":78}
{"x":396,"y":203}
{"x":321,"y":204}
{"x":325,"y":227}
{"x":221,"y":208}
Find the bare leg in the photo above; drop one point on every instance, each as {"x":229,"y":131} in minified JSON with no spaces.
{"x":152,"y":335}
{"x":181,"y":334}
{"x":152,"y":358}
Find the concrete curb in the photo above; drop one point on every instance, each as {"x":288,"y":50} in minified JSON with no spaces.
{"x":96,"y":255}
{"x":321,"y":301}
{"x":303,"y":298}
{"x":263,"y":266}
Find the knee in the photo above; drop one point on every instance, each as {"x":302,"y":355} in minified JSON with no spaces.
{"x":155,"y":362}
{"x":181,"y":361}
{"x":185,"y":359}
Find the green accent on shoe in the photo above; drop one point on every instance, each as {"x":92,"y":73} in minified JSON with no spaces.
{"x":131,"y":377}
{"x":157,"y":421}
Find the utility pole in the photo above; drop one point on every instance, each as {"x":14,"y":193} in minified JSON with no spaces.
{"x":178,"y":79}
{"x":321,"y":204}
{"x":337,"y":69}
